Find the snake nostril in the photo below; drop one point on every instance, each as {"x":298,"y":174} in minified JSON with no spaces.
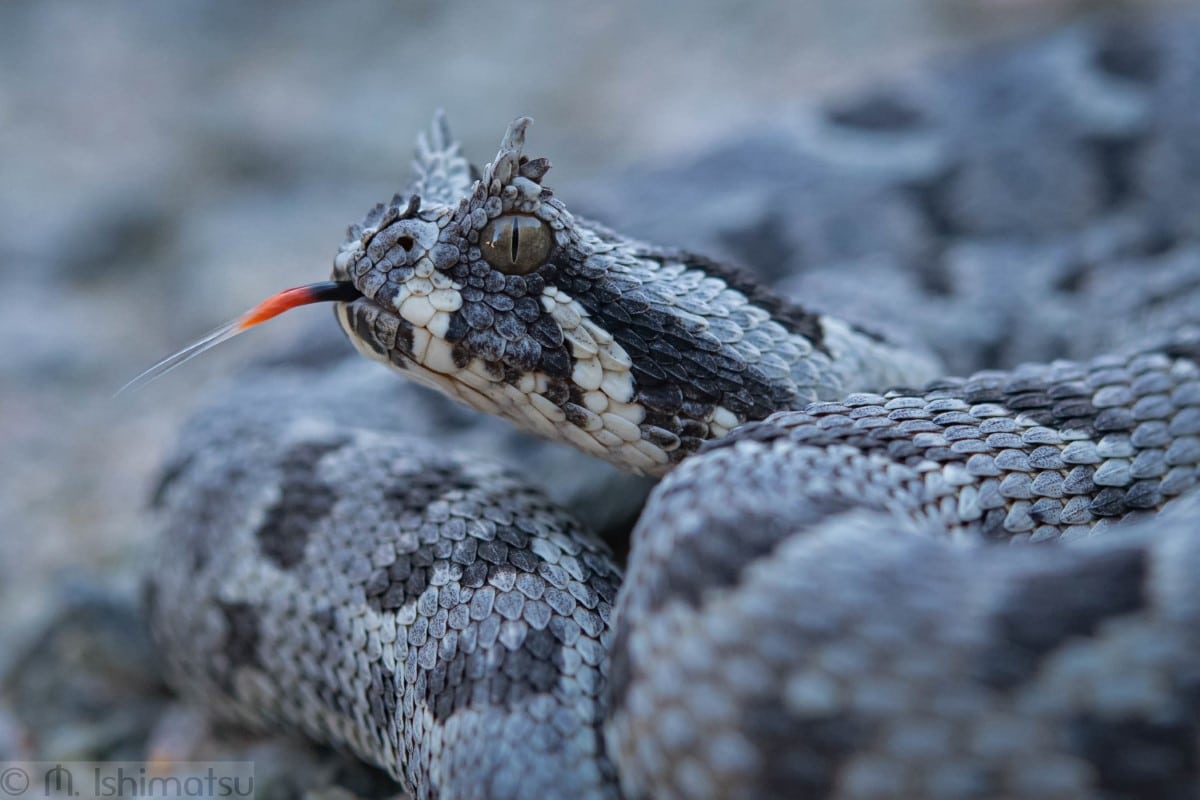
{"x":406,"y":242}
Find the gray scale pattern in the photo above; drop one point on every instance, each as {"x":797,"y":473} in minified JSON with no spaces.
{"x":823,"y":602}
{"x":437,"y":602}
{"x":1043,"y":452}
{"x":868,"y":658}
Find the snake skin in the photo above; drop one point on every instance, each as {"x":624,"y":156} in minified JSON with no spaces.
{"x":819,"y":599}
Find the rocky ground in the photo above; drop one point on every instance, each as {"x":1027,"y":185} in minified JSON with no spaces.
{"x":166,"y":166}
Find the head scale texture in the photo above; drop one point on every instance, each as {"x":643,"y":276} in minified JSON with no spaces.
{"x":490,"y":291}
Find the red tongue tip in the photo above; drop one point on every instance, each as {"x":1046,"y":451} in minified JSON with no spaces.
{"x":326,"y":291}
{"x":275,"y":305}
{"x":297,"y":296}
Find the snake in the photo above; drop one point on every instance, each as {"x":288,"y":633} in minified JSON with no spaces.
{"x":854,"y":576}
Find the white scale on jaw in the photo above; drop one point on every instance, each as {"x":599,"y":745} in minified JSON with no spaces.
{"x":602,"y":371}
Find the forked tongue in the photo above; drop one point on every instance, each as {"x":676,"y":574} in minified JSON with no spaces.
{"x":273,"y":306}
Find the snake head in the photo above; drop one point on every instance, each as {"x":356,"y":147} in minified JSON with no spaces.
{"x":467,"y":285}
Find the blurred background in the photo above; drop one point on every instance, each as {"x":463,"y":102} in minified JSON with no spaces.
{"x":163,"y":166}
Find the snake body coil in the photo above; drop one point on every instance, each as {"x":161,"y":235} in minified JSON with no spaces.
{"x":814,"y":604}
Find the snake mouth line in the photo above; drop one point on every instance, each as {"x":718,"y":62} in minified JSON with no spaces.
{"x":380,"y":332}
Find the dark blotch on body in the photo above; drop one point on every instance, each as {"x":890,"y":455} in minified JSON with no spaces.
{"x":304,"y":501}
{"x":241,"y":635}
{"x":493,"y":675}
{"x":878,"y":112}
{"x":716,"y":558}
{"x":1037,"y":614}
{"x":800,"y":756}
{"x":402,"y":582}
{"x":1136,"y":758}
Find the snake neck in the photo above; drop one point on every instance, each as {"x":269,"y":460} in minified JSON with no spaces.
{"x":710,"y":348}
{"x":634,"y":354}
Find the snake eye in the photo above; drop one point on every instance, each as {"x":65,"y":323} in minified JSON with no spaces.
{"x":515,"y":244}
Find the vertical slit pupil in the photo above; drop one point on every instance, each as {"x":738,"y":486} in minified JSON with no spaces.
{"x":516,"y":240}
